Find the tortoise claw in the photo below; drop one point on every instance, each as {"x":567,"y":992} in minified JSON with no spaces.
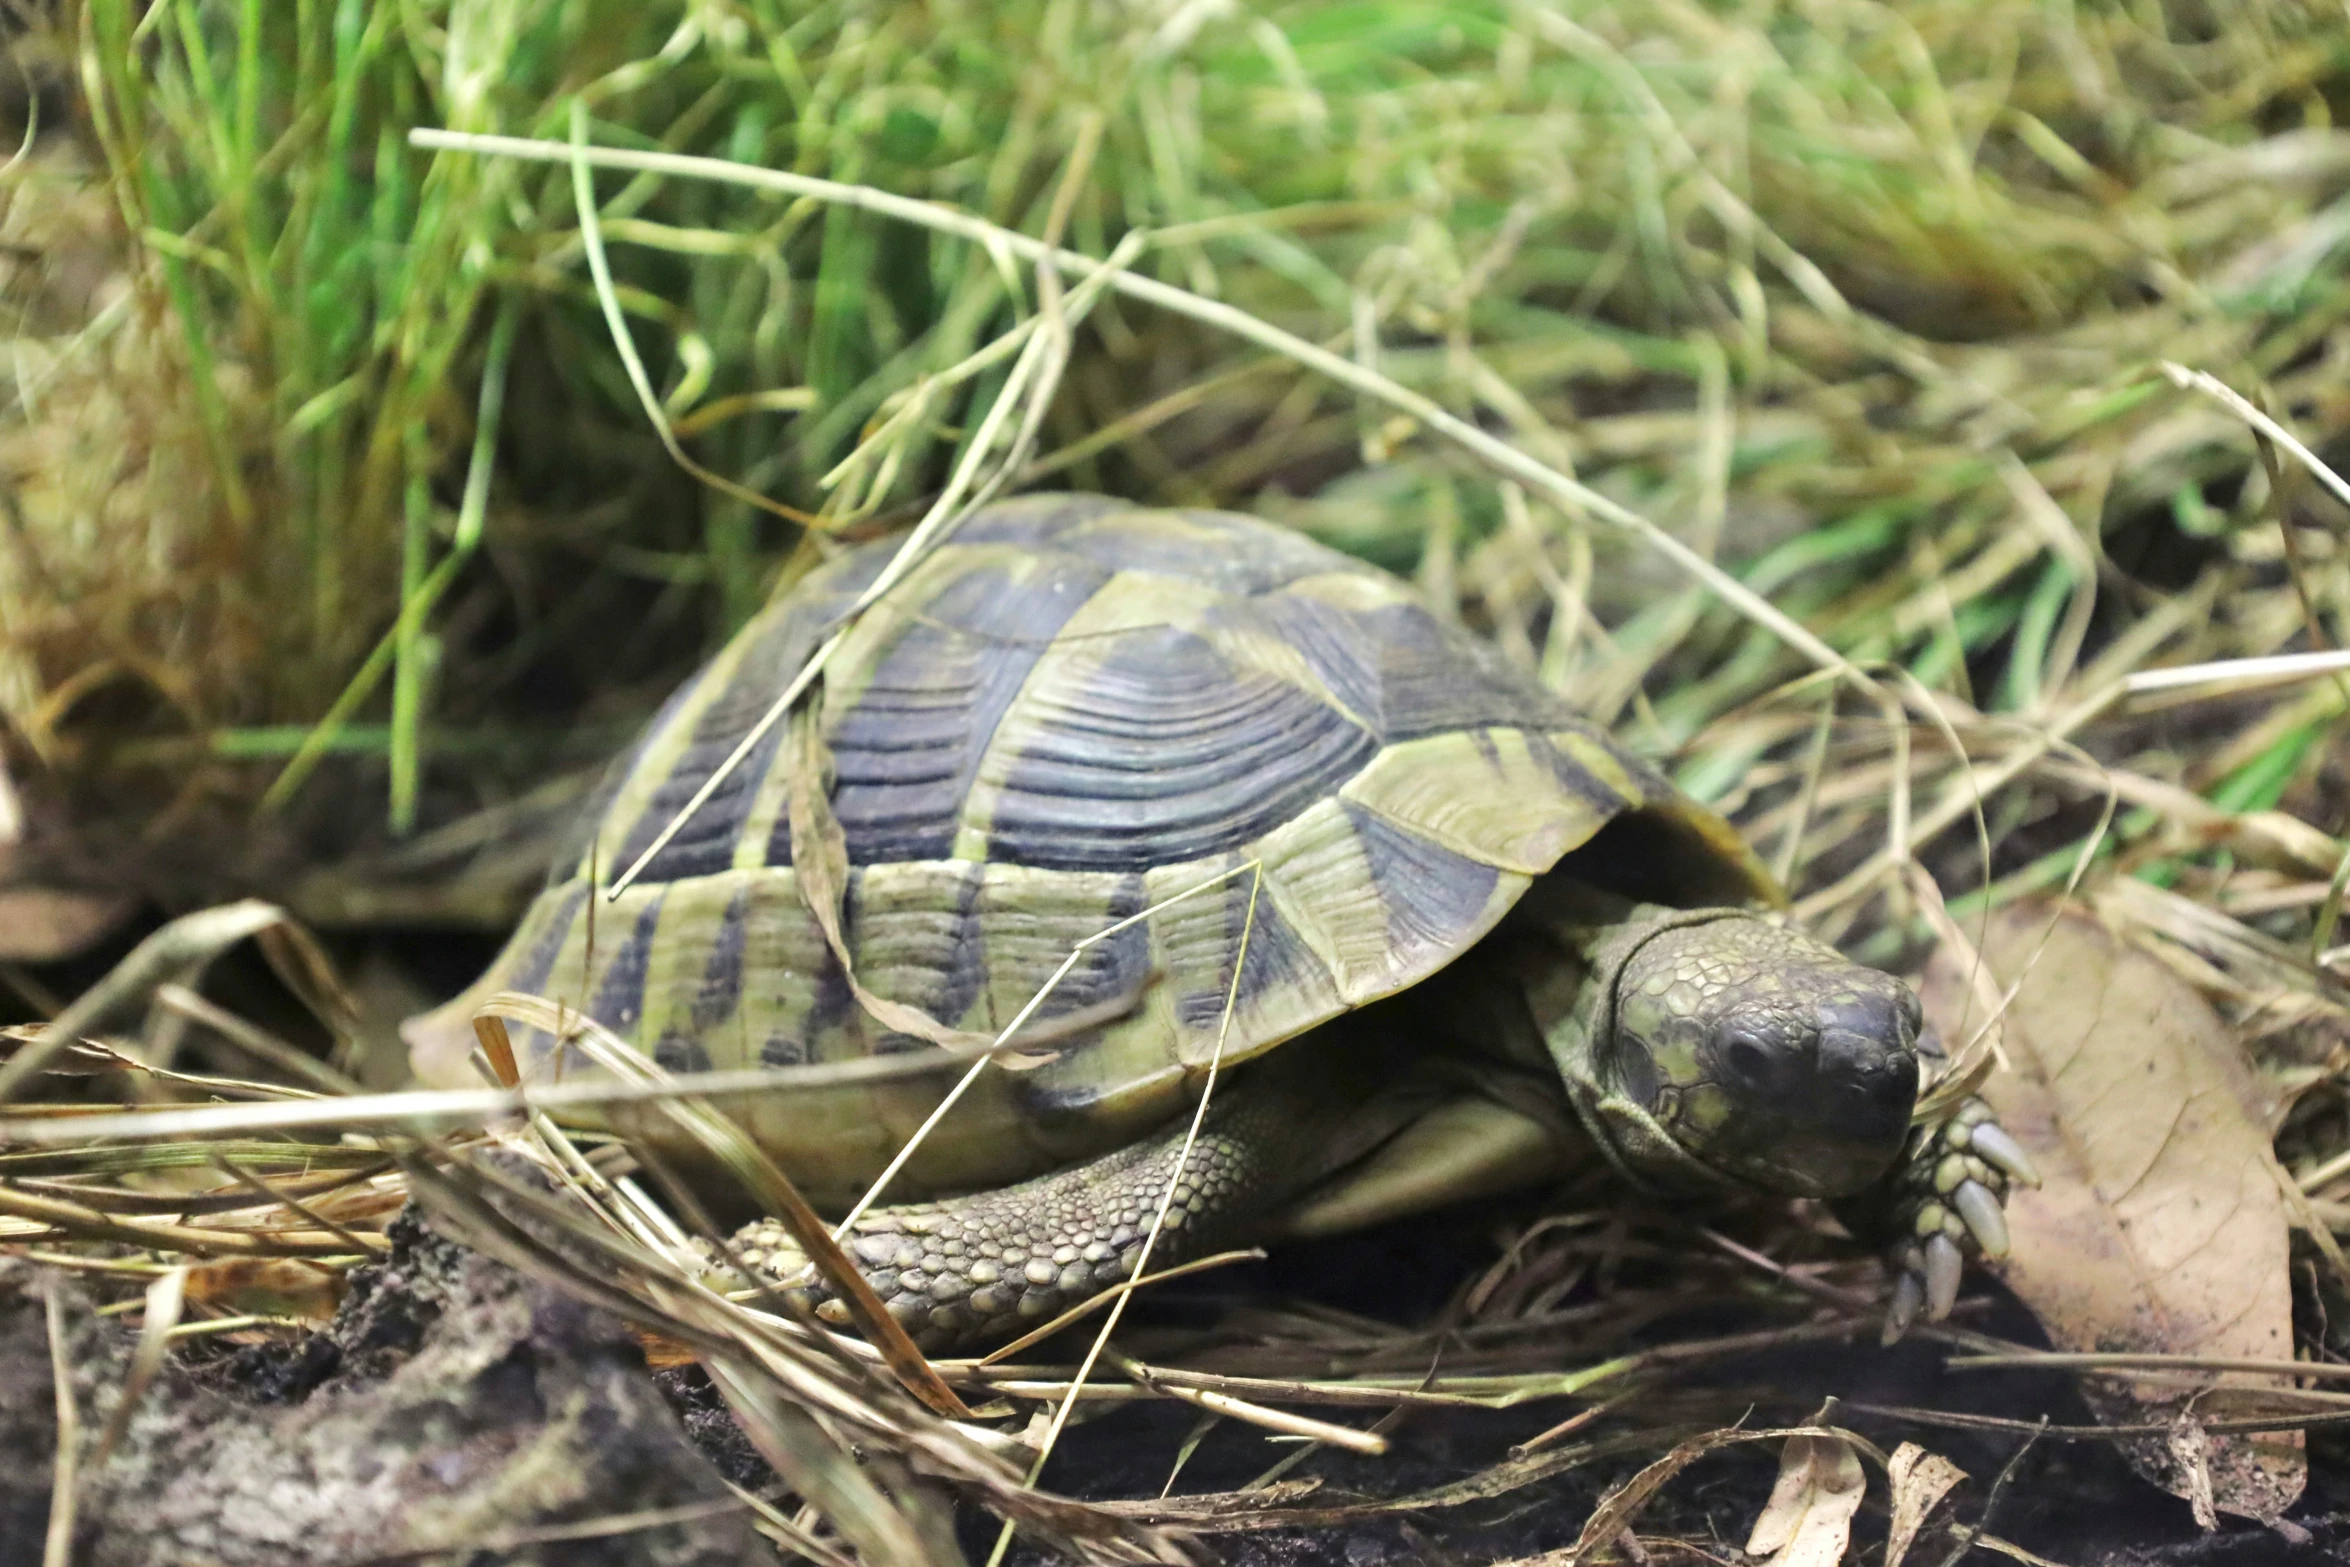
{"x":1941,"y":1205}
{"x":1909,"y":1297}
{"x":1992,"y":1142}
{"x":1979,"y":1209}
{"x":1944,"y":1268}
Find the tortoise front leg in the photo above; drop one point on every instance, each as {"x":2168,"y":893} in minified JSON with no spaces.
{"x":1940,"y":1204}
{"x":967,"y":1269}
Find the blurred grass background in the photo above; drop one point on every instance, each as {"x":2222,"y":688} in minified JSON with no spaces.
{"x":337,"y":542}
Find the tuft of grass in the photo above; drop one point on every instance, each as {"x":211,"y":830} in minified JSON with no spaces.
{"x":1894,"y":243}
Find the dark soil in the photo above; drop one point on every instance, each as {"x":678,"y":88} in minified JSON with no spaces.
{"x":2074,"y":1502}
{"x":450,"y":1401}
{"x":453,"y":1399}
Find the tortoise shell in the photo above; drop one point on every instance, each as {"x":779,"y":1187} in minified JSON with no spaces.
{"x":1070,"y":713}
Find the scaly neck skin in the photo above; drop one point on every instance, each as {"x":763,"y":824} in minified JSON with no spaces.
{"x":1596,"y":937}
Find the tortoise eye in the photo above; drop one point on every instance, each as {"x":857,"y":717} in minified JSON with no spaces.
{"x":1748,"y":1058}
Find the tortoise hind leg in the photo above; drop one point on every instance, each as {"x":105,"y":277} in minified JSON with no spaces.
{"x":966,"y":1269}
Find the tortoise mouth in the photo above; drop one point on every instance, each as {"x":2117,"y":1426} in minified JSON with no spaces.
{"x":1800,"y":1165}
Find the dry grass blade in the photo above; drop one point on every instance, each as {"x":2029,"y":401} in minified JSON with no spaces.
{"x":1165,"y":1205}
{"x":258,"y":1043}
{"x":1018,"y":1032}
{"x":820,"y":857}
{"x":1821,"y":342}
{"x":964,"y":491}
{"x":179,"y":949}
{"x":87,"y":1223}
{"x":2242,"y":673}
{"x":57,"y":1548}
{"x":1087,"y":1307}
{"x":1504,"y":458}
{"x":803,"y":1397}
{"x":816,"y":1467}
{"x":162,"y":1314}
{"x":766,"y":1180}
{"x":592,"y":242}
{"x":1255,"y":1414}
{"x":2235,"y":402}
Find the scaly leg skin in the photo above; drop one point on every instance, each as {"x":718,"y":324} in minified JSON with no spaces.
{"x":1940,"y":1204}
{"x":986,"y":1266}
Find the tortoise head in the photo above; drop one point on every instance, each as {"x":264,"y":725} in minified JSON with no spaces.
{"x":1713,"y":1046}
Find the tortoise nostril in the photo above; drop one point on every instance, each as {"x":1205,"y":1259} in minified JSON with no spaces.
{"x":1864,"y":1028}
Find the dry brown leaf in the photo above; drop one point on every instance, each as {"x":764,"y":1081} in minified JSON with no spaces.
{"x":1619,"y":1507}
{"x":1617,"y":1510}
{"x":267,"y":1287}
{"x":1919,"y":1480}
{"x":820,"y":855}
{"x":47,"y":924}
{"x":2160,"y":1228}
{"x":11,"y":818}
{"x":43,"y":924}
{"x":1808,"y":1520}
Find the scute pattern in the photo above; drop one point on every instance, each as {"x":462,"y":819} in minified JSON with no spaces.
{"x":1070,"y":714}
{"x":703,"y":724}
{"x":910,"y":737}
{"x":1162,"y":750}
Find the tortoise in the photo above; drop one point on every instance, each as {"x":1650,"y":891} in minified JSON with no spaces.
{"x":1308,"y":814}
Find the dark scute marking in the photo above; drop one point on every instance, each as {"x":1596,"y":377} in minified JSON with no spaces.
{"x":1653,"y":785}
{"x":1111,"y":969}
{"x":1331,"y":640}
{"x":964,"y":975}
{"x":620,"y":995}
{"x":1432,"y":895}
{"x":1272,"y":955}
{"x":834,"y":1002}
{"x":722,"y":975}
{"x":1650,"y":857}
{"x":957,"y":966}
{"x":1032,"y":519}
{"x":580,"y":833}
{"x":784,"y":1050}
{"x":705,"y":844}
{"x":538,"y":965}
{"x":1433,"y":679}
{"x":905,"y":753}
{"x":1024,"y":600}
{"x":1577,"y":779}
{"x":1169,"y":754}
{"x":680,"y":1053}
{"x":1220,"y":549}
